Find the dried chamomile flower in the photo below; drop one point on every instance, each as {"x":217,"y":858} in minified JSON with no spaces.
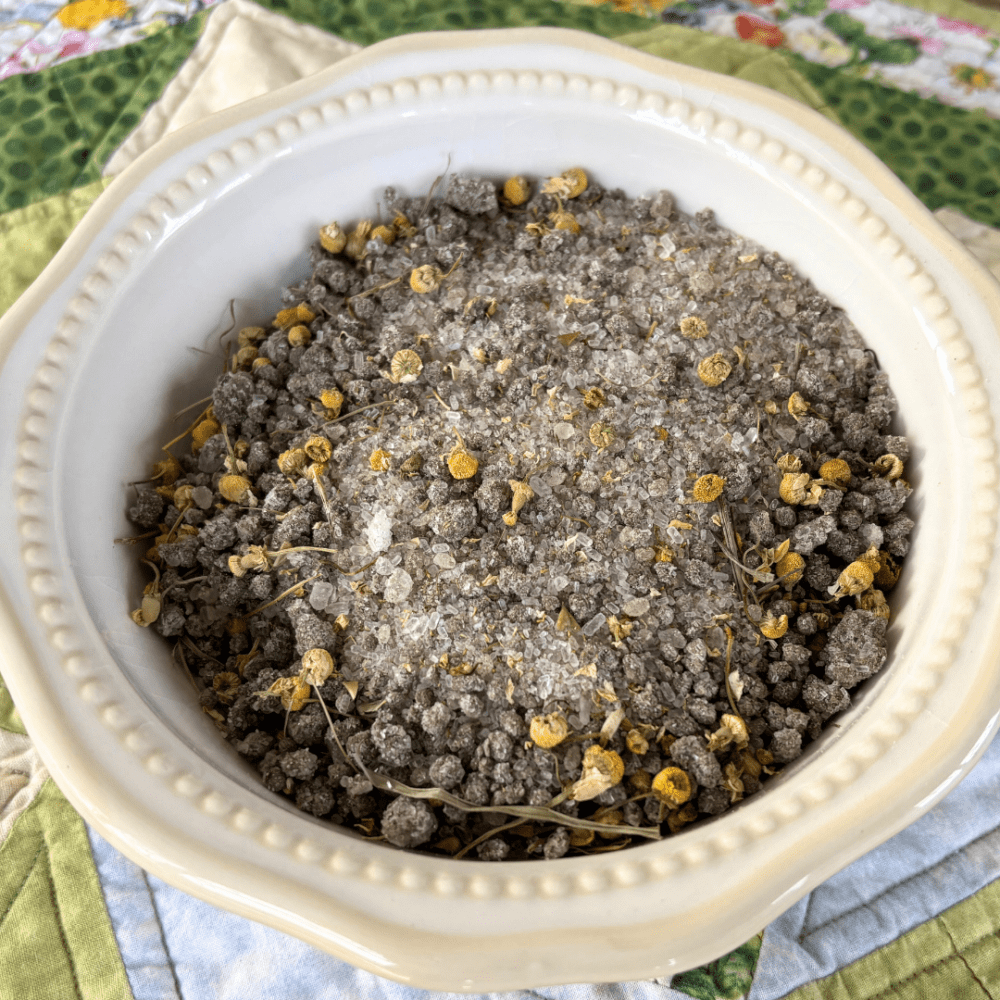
{"x":570,"y":184}
{"x":226,"y":685}
{"x":672,"y":787}
{"x":732,"y":730}
{"x":771,"y":407}
{"x":871,"y":558}
{"x":425,"y":278}
{"x":317,"y":666}
{"x":355,"y":246}
{"x":693,"y":327}
{"x":412,"y":463}
{"x":259,"y":363}
{"x":293,"y":691}
{"x":285,"y":318}
{"x":708,"y":488}
{"x":594,"y":398}
{"x":332,"y":238}
{"x":789,"y":463}
{"x":169,"y":470}
{"x":517,"y":190}
{"x":774,"y":628}
{"x":333,"y":400}
{"x":794,"y":488}
{"x":503,"y":366}
{"x":874,"y":601}
{"x":620,"y":629}
{"x":564,"y":220}
{"x":790,"y":568}
{"x":581,"y":838}
{"x":318,"y":448}
{"x":836,"y":472}
{"x":299,"y":336}
{"x":292,"y":461}
{"x":236,"y":489}
{"x":462,"y":464}
{"x":888,"y":571}
{"x":250,"y":335}
{"x":522,"y":494}
{"x":245,"y":357}
{"x":641,"y":781}
{"x":797,"y":405}
{"x":379,"y":460}
{"x":183,"y":496}
{"x":304,"y":314}
{"x":403,"y":226}
{"x":384,"y":233}
{"x":636,"y":742}
{"x":149,"y":610}
{"x":548,"y":731}
{"x":714,"y":370}
{"x":679,"y":818}
{"x":601,"y":434}
{"x":602,"y":769}
{"x":732,"y":782}
{"x":406,"y":366}
{"x":890,"y":466}
{"x":857,"y":577}
{"x":208,"y":428}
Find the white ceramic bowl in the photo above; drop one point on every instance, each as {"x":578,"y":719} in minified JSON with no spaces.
{"x":224,"y":210}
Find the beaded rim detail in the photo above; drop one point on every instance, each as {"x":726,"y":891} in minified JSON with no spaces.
{"x":92,"y":678}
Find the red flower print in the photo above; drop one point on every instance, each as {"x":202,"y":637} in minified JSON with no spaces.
{"x":756,"y":29}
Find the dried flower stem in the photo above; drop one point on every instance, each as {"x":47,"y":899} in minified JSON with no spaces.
{"x":543,"y":813}
{"x":360,"y":409}
{"x":487,"y":836}
{"x":180,"y":437}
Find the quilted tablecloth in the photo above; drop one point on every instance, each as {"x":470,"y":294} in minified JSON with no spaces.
{"x":86,"y":87}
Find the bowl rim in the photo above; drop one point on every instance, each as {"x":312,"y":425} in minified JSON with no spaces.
{"x":379,"y":945}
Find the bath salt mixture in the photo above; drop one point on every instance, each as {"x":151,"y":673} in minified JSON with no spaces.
{"x":540,"y":521}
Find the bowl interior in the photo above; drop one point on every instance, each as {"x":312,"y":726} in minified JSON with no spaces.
{"x":249,"y":237}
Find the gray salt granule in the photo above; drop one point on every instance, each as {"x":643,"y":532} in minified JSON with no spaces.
{"x":608,"y":589}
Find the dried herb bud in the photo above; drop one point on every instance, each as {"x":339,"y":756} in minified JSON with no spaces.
{"x":503,"y":366}
{"x":412,"y":463}
{"x":245,"y":357}
{"x":749,"y":763}
{"x":857,"y":577}
{"x":601,"y":435}
{"x":602,"y":769}
{"x":236,"y":567}
{"x":251,"y":335}
{"x":183,"y":497}
{"x":570,"y":184}
{"x":594,"y":398}
{"x":732,"y":730}
{"x":771,"y":407}
{"x":510,"y":518}
{"x":299,"y":336}
{"x":293,"y":461}
{"x":672,"y":787}
{"x":169,"y":470}
{"x":581,"y":838}
{"x":836,"y":471}
{"x":317,"y":666}
{"x":293,"y":691}
{"x":548,"y":731}
{"x":461,"y":464}
{"x":693,"y":327}
{"x":332,"y":238}
{"x":385,"y":234}
{"x":890,"y":466}
{"x":790,"y":568}
{"x":564,"y":220}
{"x":636,"y":742}
{"x":875,"y":602}
{"x":148,"y":611}
{"x":406,"y":366}
{"x":403,"y":226}
{"x":708,"y":488}
{"x":379,"y":460}
{"x":425,"y":278}
{"x":333,"y":400}
{"x":789,"y":463}
{"x":641,"y":781}
{"x":226,"y":685}
{"x":733,"y":783}
{"x":517,"y":190}
{"x":714,"y":370}
{"x":235,"y":488}
{"x":355,"y":246}
{"x":318,"y":449}
{"x":259,"y":363}
{"x":765,"y":757}
{"x":797,"y":405}
{"x":286,"y":318}
{"x":236,"y":626}
{"x":208,"y":428}
{"x":304,"y":314}
{"x":888,"y":571}
{"x":794,"y":487}
{"x":774,"y":628}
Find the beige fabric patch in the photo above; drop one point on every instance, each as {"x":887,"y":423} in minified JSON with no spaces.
{"x":983,"y":242}
{"x":244,"y":52}
{"x":22,"y":775}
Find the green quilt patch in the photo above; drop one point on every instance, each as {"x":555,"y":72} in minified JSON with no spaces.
{"x":56,"y":941}
{"x":726,"y":978}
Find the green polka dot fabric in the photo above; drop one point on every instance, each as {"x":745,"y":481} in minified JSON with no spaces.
{"x":946,"y":156}
{"x":59,"y":126}
{"x":368,"y":21}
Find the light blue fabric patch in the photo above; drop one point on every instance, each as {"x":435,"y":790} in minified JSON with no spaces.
{"x":947,"y":855}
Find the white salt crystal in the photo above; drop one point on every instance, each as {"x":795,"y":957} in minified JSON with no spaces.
{"x":378,"y":534}
{"x":637,"y":607}
{"x":398,"y":586}
{"x":321,"y":594}
{"x":594,"y":624}
{"x":445,"y":560}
